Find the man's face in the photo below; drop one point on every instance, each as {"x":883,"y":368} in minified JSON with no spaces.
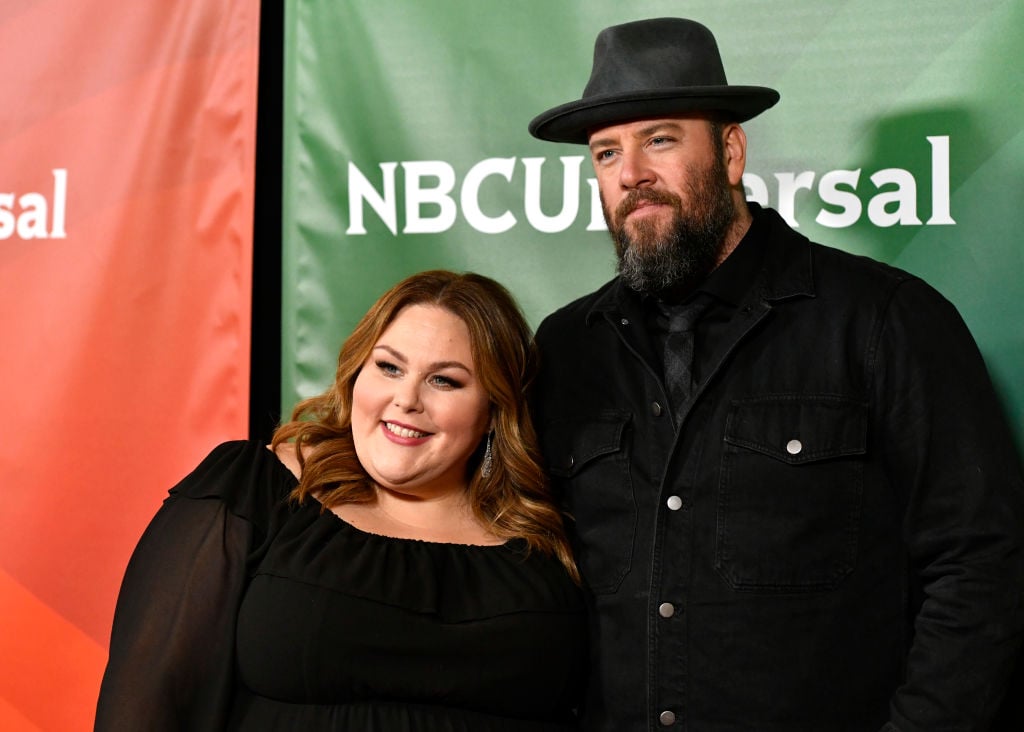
{"x":666,"y":197}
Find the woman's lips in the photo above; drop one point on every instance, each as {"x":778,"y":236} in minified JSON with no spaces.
{"x":403,"y":434}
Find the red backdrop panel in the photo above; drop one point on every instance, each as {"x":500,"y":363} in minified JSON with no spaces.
{"x":127,"y":137}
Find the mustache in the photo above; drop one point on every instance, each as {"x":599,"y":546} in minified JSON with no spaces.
{"x":637,"y":196}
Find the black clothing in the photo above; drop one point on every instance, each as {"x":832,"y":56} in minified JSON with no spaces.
{"x":830,"y":540}
{"x":241,"y":610}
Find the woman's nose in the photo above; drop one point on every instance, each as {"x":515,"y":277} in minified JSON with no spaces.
{"x":407,"y":396}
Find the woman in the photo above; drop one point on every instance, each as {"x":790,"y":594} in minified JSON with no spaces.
{"x":393,"y":561}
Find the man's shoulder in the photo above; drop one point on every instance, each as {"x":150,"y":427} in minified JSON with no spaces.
{"x":832,"y":256}
{"x":861,"y":278}
{"x":829,"y":264}
{"x":576,"y":313}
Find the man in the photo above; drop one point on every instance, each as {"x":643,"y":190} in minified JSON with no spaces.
{"x":805,"y":511}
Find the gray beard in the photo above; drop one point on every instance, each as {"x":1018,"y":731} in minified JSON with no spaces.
{"x":690,"y":250}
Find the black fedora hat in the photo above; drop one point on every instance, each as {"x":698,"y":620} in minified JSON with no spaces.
{"x":651,"y":68}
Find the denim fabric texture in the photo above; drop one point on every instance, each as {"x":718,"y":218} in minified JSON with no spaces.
{"x":828,"y":536}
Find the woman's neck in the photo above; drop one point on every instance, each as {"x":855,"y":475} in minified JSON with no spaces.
{"x":447,"y":519}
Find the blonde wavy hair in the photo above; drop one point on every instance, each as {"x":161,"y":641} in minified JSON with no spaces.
{"x":514,"y":500}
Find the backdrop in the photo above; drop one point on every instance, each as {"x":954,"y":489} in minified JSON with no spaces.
{"x":126,"y":176}
{"x":899,"y":135}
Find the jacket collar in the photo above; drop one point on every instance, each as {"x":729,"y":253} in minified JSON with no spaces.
{"x":786,"y":269}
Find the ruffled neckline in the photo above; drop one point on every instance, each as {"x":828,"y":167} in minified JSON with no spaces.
{"x":288,"y":475}
{"x":301,"y":542}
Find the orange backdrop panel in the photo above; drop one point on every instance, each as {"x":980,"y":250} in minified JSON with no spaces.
{"x":127,"y":138}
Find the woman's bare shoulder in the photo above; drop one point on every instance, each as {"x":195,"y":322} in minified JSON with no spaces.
{"x":288,"y":456}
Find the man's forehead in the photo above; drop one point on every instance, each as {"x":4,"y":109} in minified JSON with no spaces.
{"x":645,"y":126}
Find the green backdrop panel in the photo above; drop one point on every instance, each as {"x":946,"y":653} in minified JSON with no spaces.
{"x":899,"y":135}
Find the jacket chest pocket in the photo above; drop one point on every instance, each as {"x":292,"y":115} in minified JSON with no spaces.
{"x":589,"y":467}
{"x":789,"y":501}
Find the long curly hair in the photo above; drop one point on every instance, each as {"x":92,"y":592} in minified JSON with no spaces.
{"x":514,"y":500}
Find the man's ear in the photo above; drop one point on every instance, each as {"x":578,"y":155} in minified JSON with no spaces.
{"x":734,"y":142}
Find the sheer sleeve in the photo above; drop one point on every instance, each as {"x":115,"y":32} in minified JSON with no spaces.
{"x":171,"y":664}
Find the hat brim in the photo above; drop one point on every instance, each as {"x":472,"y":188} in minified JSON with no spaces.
{"x":574,"y":121}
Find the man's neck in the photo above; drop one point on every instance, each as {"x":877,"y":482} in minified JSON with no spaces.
{"x":733,"y":236}
{"x":736,"y":231}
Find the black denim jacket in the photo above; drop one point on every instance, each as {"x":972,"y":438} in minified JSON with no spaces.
{"x":833,"y":539}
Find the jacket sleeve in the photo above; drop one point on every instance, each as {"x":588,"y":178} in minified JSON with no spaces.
{"x":171,"y":664}
{"x":952,"y":460}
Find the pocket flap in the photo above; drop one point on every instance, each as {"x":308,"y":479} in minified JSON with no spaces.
{"x":569,"y":444}
{"x":799,"y":428}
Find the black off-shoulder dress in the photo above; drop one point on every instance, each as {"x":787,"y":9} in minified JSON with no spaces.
{"x":241,"y":610}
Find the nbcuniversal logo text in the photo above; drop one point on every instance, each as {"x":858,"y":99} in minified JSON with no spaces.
{"x":33,"y":215}
{"x":434,"y":198}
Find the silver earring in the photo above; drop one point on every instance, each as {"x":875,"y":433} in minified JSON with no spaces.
{"x":487,"y":465}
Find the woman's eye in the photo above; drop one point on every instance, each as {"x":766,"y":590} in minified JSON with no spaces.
{"x":445,"y":382}
{"x":388,"y":368}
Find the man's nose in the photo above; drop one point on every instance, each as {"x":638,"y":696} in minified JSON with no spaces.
{"x":635,"y":171}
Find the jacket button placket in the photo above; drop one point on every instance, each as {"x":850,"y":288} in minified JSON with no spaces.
{"x":669,"y":589}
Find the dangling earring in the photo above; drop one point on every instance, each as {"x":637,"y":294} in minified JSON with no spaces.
{"x":487,"y":464}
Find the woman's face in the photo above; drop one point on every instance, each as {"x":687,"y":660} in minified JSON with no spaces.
{"x":418,"y":409}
